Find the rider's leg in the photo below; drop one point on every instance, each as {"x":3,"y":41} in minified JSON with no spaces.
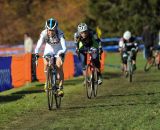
{"x":124,"y":62}
{"x":60,"y":74}
{"x":83,"y":59}
{"x":148,"y":55}
{"x":45,"y":66}
{"x":134,"y":61}
{"x":122,"y":65}
{"x":98,"y":66}
{"x":125,"y":67}
{"x":45,"y":70}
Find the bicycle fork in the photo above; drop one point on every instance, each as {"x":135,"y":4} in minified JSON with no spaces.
{"x":54,"y":78}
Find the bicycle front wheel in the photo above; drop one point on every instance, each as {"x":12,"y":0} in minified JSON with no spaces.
{"x":88,"y":81}
{"x":56,"y":96}
{"x":95,"y":82}
{"x":58,"y":100}
{"x":130,"y":70}
{"x":49,"y":90}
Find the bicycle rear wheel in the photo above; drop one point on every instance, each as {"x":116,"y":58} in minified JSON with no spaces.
{"x":149,"y":64}
{"x":95,"y":82}
{"x":88,"y":81}
{"x":49,"y":90}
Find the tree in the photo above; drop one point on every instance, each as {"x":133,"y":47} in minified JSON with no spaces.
{"x":116,"y":16}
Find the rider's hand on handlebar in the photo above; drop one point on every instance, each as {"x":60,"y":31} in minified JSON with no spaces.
{"x":100,"y":50}
{"x":151,"y":48}
{"x":36,"y":56}
{"x":77,"y":50}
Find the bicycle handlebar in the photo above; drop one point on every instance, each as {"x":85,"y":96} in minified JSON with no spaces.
{"x":46,"y":57}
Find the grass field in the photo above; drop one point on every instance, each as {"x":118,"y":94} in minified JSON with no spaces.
{"x":119,"y":105}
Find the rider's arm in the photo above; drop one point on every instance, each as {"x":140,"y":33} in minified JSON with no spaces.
{"x":121,"y":45}
{"x":63,"y":44}
{"x":135,"y":43}
{"x":136,"y":46}
{"x":76,"y":37}
{"x":39,"y":43}
{"x":76,"y":41}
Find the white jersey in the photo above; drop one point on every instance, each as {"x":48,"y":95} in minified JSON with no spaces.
{"x":54,"y":45}
{"x":121,"y":43}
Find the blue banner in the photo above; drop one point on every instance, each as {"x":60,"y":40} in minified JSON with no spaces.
{"x":77,"y":66}
{"x":5,"y":73}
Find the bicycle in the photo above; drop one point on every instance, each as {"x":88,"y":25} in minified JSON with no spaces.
{"x":130,"y":65}
{"x":130,"y":70}
{"x":51,"y":86}
{"x":91,"y":78}
{"x":154,"y":60}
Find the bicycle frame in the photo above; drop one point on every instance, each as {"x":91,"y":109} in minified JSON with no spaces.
{"x":91,"y":77}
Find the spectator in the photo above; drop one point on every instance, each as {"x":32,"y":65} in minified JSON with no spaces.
{"x":28,"y":43}
{"x":147,"y":37}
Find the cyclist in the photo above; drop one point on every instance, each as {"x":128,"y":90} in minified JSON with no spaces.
{"x":85,"y":40}
{"x":54,"y":39}
{"x":127,"y":43}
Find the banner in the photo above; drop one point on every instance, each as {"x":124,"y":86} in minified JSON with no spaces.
{"x":5,"y":73}
{"x":21,"y":69}
{"x":77,"y":66}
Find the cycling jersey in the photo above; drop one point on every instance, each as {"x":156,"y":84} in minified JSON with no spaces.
{"x":88,"y":42}
{"x":92,"y":34}
{"x":128,"y":45}
{"x":54,"y":45}
{"x":84,"y":45}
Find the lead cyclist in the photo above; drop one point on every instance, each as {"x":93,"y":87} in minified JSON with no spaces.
{"x":54,"y":39}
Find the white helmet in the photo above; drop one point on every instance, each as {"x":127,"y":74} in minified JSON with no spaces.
{"x":127,"y":35}
{"x":82,"y":27}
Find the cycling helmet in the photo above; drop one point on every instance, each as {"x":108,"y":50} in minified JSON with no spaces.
{"x":127,"y":35}
{"x":82,"y":27}
{"x":51,"y":24}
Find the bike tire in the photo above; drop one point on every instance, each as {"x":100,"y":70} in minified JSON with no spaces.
{"x":88,"y":82}
{"x":49,"y":90}
{"x":148,"y":65}
{"x":56,"y":97}
{"x":58,"y":100}
{"x":95,"y":81}
{"x":130,"y":71}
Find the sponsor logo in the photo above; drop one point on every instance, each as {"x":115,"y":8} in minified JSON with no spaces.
{"x":5,"y":78}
